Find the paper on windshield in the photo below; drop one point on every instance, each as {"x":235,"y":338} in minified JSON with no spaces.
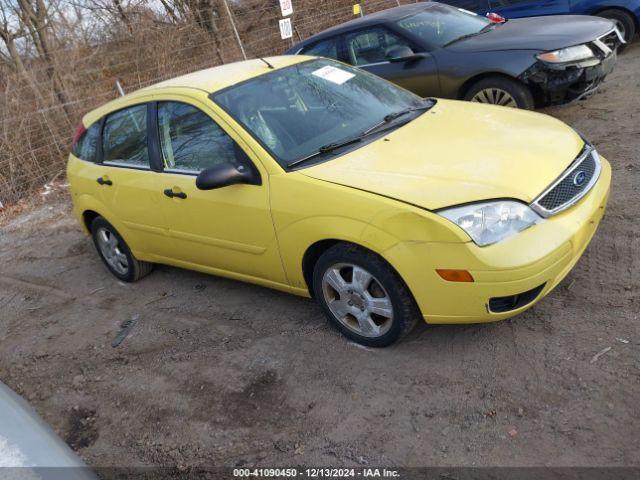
{"x":333,"y":74}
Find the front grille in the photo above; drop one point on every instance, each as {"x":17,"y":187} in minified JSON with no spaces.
{"x":610,"y":40}
{"x":572,"y":185}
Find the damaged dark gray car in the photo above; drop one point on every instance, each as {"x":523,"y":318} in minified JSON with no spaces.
{"x":437,"y":50}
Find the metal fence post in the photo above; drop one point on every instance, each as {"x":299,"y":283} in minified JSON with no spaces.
{"x":235,"y":30}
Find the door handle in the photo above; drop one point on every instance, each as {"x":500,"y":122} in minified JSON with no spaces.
{"x":104,"y":181}
{"x":171,"y":194}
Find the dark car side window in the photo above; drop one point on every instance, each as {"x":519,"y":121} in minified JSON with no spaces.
{"x":124,"y":138}
{"x":324,"y":48}
{"x":505,"y":3}
{"x":471,"y":5}
{"x":372,"y":45}
{"x":87,"y":146}
{"x":191,"y":141}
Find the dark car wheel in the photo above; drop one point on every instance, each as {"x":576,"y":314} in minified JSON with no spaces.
{"x":115,"y":253}
{"x":501,"y":91}
{"x":624,"y":21}
{"x":363,"y":296}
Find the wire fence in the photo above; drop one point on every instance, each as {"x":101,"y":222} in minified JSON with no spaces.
{"x":41,"y":104}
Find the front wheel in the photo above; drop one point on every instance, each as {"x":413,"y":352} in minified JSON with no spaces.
{"x":362,"y":296}
{"x":501,"y":91}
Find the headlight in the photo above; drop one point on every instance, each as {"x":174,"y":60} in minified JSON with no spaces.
{"x":564,"y":55}
{"x":491,"y":222}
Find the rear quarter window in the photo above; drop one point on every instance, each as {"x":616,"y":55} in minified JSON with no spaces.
{"x":87,"y":147}
{"x":324,"y":48}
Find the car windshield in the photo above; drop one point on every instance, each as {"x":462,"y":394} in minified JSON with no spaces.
{"x":440,"y":25}
{"x":298,"y":111}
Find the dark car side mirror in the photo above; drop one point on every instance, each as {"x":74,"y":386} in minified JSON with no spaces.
{"x":226,"y":174}
{"x":404,"y":54}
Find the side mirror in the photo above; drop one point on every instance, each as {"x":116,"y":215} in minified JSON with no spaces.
{"x":404,"y":54}
{"x":226,"y":174}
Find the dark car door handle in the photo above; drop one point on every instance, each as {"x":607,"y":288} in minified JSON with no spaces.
{"x":103,"y":181}
{"x":171,"y":194}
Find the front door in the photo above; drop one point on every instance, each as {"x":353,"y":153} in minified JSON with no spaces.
{"x":371,"y":49}
{"x":229,"y":228}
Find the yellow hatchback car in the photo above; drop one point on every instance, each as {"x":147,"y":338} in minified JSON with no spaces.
{"x":319,"y":179}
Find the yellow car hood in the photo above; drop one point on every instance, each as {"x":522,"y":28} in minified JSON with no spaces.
{"x":459,"y":152}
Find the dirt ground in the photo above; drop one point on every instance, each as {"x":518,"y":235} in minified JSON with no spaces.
{"x":221,"y":373}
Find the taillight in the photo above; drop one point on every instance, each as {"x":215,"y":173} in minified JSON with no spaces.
{"x":78,"y":135}
{"x":495,"y":18}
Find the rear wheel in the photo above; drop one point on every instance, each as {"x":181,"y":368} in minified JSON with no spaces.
{"x":115,"y":253}
{"x":500,"y":91}
{"x":363,"y":296}
{"x":624,"y":21}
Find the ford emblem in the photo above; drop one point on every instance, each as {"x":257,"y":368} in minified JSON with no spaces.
{"x":579,"y":178}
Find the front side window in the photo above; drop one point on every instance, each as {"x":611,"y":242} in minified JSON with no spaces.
{"x":373,"y":46}
{"x":439,"y":25}
{"x":325,"y":48}
{"x":190,"y":140}
{"x":294,"y":111}
{"x":87,"y":146}
{"x":124,"y":138}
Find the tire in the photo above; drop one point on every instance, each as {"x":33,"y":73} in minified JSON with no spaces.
{"x":517,"y":94}
{"x":385,"y":291}
{"x":625,"y":23}
{"x":104,"y":235}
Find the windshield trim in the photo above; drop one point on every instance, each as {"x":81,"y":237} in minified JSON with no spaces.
{"x":281,"y":163}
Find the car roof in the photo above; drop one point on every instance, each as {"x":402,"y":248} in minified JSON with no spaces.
{"x":384,"y":16}
{"x":209,"y":80}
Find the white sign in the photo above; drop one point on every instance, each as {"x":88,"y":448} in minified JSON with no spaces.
{"x":286,"y":31}
{"x":286,"y":7}
{"x":333,"y":74}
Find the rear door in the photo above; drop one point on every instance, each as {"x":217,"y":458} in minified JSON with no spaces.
{"x":528,"y":8}
{"x":126,"y":182}
{"x":370,"y":50}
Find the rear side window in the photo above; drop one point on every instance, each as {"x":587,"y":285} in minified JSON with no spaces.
{"x":87,"y":146}
{"x":325,"y":48}
{"x":124,"y":138}
{"x":191,"y":141}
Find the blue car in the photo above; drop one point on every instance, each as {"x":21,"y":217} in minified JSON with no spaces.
{"x":625,"y":13}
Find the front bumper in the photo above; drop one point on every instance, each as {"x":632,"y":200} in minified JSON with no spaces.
{"x":556,"y":85}
{"x":540,"y":255}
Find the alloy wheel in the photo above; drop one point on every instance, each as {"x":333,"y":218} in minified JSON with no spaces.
{"x":357,"y":300}
{"x":111,"y":251}
{"x":495,"y":96}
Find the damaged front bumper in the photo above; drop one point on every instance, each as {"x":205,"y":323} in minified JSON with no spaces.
{"x":561,"y":83}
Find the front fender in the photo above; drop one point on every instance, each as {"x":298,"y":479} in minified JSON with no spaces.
{"x":306,"y":211}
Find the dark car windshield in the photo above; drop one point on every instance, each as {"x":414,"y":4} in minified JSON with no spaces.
{"x":440,"y":25}
{"x":295,"y":111}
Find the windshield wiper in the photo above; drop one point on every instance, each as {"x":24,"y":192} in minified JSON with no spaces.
{"x":484,"y":29}
{"x":392,"y":116}
{"x":330,"y":147}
